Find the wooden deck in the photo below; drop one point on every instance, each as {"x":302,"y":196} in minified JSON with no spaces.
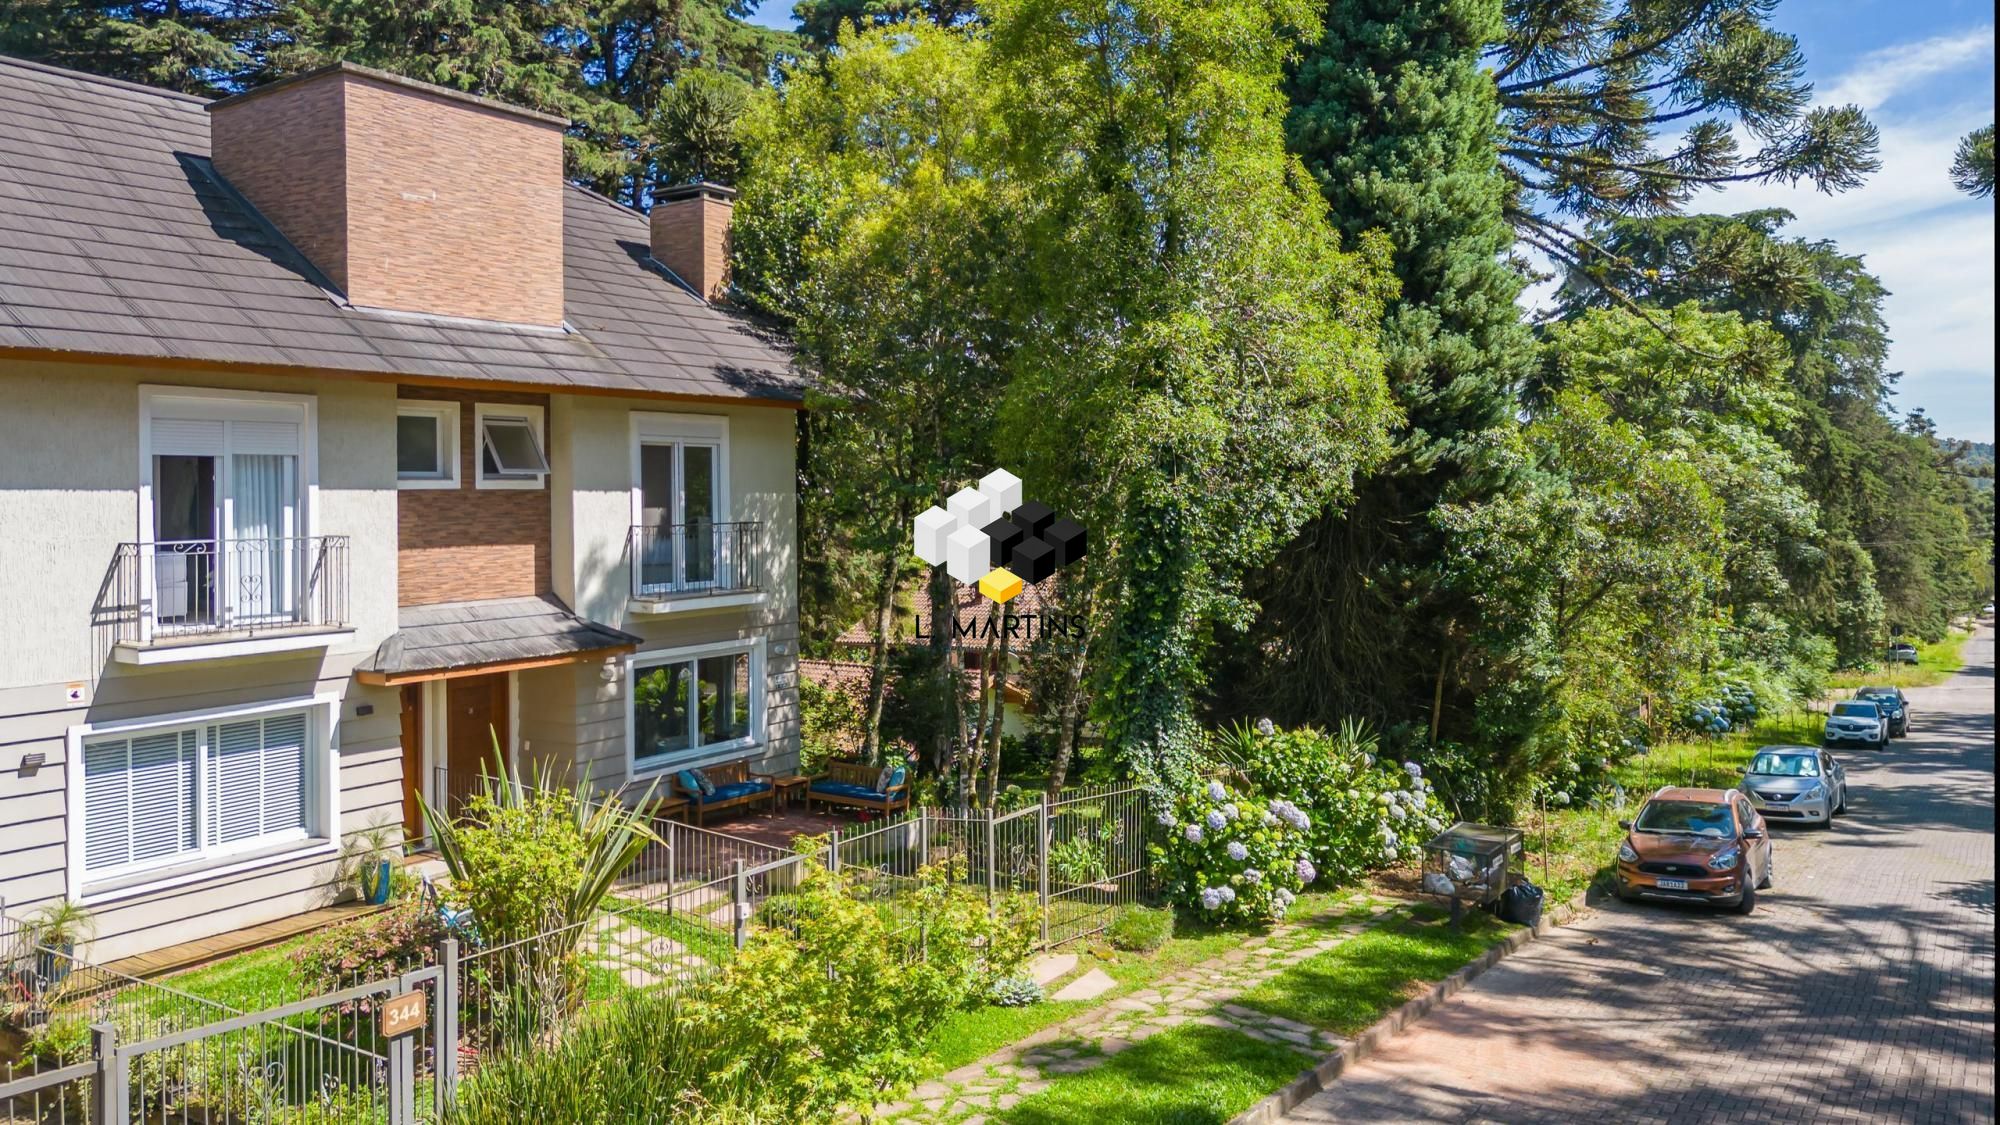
{"x":190,"y":954}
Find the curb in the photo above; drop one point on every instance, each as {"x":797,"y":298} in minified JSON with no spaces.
{"x":1329,"y":1069}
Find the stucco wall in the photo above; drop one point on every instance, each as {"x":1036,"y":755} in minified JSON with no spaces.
{"x":592,"y":479}
{"x":69,"y":470}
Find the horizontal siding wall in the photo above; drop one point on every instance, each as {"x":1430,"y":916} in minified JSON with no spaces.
{"x":34,"y":825}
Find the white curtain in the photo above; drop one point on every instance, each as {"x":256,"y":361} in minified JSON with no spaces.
{"x":260,"y":558}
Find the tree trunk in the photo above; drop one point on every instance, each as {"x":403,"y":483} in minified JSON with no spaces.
{"x":878,"y":659}
{"x":1437,"y":692}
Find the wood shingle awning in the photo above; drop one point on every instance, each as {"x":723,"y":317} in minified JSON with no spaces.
{"x":452,"y":639}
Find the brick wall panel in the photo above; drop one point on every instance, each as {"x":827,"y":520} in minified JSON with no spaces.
{"x":468,"y":543}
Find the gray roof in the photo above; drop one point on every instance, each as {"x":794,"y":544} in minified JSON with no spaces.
{"x":451,"y":635}
{"x":118,"y":239}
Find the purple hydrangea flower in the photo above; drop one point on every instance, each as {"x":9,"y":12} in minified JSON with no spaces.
{"x":1231,"y":811}
{"x":1193,"y":833}
{"x":1213,"y":897}
{"x":1166,"y":820}
{"x":1237,"y":851}
{"x":1413,"y":769}
{"x":1266,"y":727}
{"x":1304,"y":868}
{"x":1217,"y":821}
{"x":1252,"y":876}
{"x":1216,"y":792}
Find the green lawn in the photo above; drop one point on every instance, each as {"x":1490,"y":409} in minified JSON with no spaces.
{"x":1352,"y":985}
{"x":1191,"y":1075}
{"x":974,"y":1033}
{"x":248,"y":982}
{"x":1936,"y":662}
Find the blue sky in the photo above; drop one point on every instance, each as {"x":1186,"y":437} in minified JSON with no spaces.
{"x":1924,"y":71}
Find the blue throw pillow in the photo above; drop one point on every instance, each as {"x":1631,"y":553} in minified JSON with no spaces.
{"x":691,"y":783}
{"x":896,"y":777}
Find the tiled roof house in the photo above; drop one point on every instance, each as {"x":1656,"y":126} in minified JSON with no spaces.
{"x":341,"y":439}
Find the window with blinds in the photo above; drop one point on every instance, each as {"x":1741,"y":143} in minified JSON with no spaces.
{"x":161,"y":797}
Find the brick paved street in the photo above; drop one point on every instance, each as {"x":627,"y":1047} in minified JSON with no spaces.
{"x":1861,"y":989}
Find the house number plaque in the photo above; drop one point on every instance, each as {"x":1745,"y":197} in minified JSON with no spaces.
{"x":402,"y":1014}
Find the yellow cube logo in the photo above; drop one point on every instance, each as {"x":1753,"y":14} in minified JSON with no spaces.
{"x":1000,"y":584}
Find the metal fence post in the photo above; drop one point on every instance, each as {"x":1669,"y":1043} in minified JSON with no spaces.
{"x":1042,"y":862}
{"x":444,"y":1037}
{"x":833,"y":850}
{"x":992,"y":866}
{"x":109,"y":1095}
{"x":739,"y":902}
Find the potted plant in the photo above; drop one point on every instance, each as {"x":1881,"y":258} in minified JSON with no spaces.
{"x":366,"y":858}
{"x":56,"y":930}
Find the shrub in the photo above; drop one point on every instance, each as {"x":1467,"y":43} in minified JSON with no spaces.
{"x":1141,"y":929}
{"x":1014,"y":992}
{"x":638,"y":1058}
{"x":1361,"y":812}
{"x":1233,"y":856}
{"x":834,"y":1008}
{"x":396,"y":940}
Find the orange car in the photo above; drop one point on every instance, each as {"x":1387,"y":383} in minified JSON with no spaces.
{"x":1695,"y":845}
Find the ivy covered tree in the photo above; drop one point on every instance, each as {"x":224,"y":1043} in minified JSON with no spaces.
{"x":1196,"y":367}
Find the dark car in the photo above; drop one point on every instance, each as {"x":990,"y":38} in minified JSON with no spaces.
{"x":1695,"y":845}
{"x":1893,"y":701}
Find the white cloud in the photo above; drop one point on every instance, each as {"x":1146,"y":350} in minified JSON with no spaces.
{"x":1882,"y":74}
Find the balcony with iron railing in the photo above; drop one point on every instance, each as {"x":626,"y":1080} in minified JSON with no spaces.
{"x":682,"y":564}
{"x":205,"y":598}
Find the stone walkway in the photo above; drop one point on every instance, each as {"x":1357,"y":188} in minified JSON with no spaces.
{"x":639,"y":957}
{"x":1202,"y":994}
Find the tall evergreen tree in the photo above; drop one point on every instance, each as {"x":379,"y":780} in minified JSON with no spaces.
{"x":195,"y":46}
{"x":1395,"y":118}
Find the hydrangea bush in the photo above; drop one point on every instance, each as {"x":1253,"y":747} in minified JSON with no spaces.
{"x":1233,"y":855}
{"x":1360,"y":811}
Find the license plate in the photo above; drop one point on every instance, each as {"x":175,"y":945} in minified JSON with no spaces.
{"x":1672,"y":884}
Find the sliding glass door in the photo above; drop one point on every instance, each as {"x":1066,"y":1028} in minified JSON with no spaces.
{"x":679,"y":499}
{"x":226,"y":546}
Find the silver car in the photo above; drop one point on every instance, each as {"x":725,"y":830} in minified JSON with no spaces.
{"x":1796,"y":783}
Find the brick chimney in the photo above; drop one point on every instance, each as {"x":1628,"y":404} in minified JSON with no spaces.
{"x":405,"y":195}
{"x":691,"y":234}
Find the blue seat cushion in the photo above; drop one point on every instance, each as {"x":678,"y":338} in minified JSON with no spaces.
{"x":848,"y":789}
{"x":734,"y":789}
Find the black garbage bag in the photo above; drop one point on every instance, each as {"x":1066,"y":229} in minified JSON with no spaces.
{"x":1522,"y":904}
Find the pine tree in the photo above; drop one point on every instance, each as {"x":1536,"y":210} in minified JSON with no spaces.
{"x":1395,"y":118}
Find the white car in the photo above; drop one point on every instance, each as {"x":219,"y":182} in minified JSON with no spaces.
{"x":1857,"y":721}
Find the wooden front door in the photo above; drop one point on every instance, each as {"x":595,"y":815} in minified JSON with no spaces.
{"x":413,"y":760}
{"x":475,"y":723}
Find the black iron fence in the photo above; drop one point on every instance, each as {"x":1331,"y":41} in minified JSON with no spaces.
{"x":697,"y":558}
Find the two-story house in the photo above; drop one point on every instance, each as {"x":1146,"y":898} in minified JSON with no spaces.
{"x":340,"y":437}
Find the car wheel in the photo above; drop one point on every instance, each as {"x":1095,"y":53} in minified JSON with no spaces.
{"x":1748,"y":902}
{"x":1842,"y":806}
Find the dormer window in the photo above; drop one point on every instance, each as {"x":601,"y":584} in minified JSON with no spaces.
{"x":510,"y":446}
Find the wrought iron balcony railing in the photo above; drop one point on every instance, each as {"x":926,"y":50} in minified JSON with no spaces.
{"x":194,"y":589}
{"x":697,"y":558}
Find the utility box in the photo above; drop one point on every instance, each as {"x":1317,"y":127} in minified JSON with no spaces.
{"x":1471,"y":863}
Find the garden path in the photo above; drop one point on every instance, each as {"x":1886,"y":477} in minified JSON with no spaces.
{"x":1200,"y":994}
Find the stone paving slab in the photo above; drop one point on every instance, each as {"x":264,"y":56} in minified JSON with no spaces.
{"x":1051,"y":967}
{"x":1089,"y":986}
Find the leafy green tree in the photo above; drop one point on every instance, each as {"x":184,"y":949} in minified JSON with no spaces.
{"x":1394,"y":116}
{"x":1895,"y":540}
{"x":1972,"y":165}
{"x":870,"y":223}
{"x":1196,"y":374}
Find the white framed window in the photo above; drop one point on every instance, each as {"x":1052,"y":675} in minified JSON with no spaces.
{"x":426,"y":444}
{"x":177,"y":797}
{"x":691,"y":706}
{"x":510,"y":446}
{"x":228,"y":496}
{"x":680,"y":502}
